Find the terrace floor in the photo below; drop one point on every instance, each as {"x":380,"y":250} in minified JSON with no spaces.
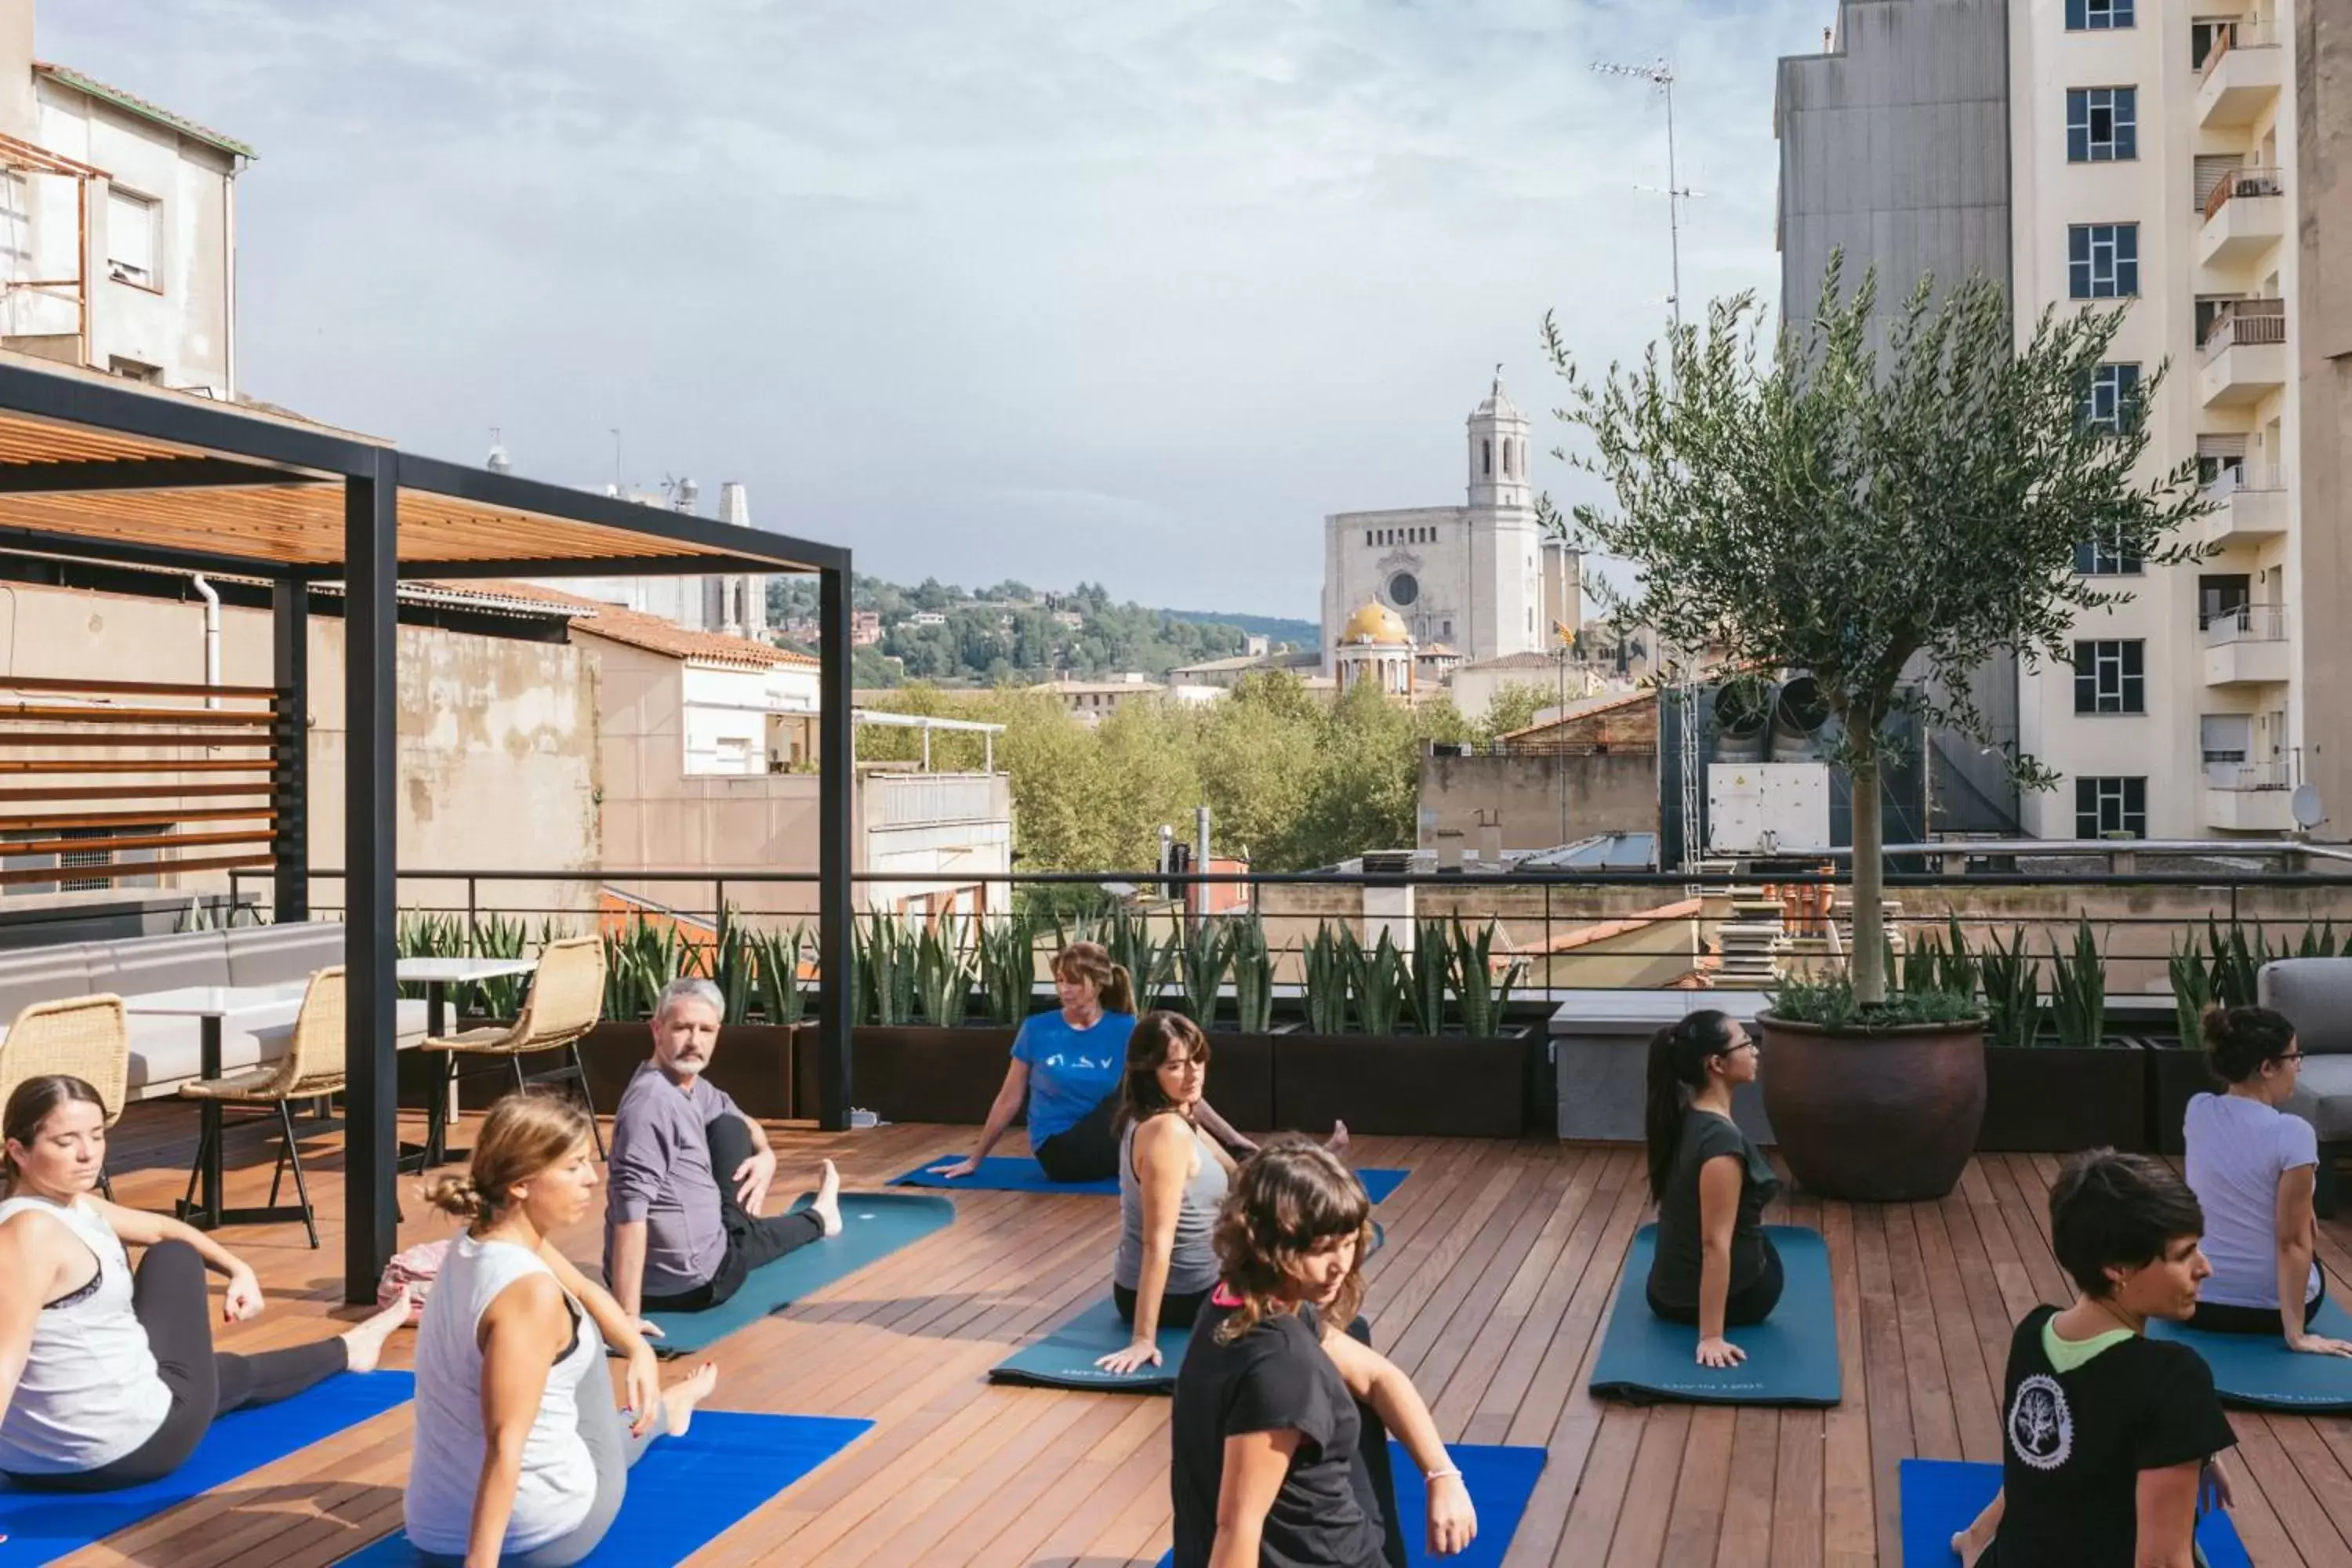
{"x":1500,"y":1264}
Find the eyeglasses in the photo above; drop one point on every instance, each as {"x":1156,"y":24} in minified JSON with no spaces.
{"x":2289,"y":1057}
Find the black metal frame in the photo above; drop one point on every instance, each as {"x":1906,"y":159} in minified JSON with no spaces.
{"x":242,"y":449}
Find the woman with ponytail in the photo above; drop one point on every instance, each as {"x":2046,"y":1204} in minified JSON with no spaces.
{"x":107,"y":1375}
{"x":1066,"y":1072}
{"x":1715,"y":1268}
{"x":521,"y":1457}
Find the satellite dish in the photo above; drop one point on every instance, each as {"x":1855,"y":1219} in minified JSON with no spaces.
{"x":2305,"y":804}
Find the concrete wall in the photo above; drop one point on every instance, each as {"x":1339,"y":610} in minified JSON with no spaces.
{"x":2320,"y":185}
{"x":1538,"y":802}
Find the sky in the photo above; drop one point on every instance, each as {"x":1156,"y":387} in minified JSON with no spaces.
{"x":1129,"y":291}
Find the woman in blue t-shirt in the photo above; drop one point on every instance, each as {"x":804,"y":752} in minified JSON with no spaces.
{"x":1065,"y":1069}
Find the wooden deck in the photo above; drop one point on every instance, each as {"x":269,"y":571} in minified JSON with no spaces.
{"x":1500,"y":1264}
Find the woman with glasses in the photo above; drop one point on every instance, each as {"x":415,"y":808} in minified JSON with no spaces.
{"x":2253,"y":1167}
{"x":1715,"y":1268}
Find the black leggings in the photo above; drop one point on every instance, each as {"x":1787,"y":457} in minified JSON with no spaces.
{"x":752,"y":1240}
{"x":1176,"y":1312}
{"x":1088,"y":1150}
{"x":1751,"y":1304}
{"x":167,"y":1296}
{"x":2216,"y":1318}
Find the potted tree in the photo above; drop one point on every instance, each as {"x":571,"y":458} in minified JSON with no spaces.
{"x":1878,"y":522}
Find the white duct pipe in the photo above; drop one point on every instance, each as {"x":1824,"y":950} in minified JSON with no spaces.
{"x":212,"y":637}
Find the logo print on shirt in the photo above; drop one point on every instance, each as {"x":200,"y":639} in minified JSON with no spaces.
{"x":2041,"y":1427}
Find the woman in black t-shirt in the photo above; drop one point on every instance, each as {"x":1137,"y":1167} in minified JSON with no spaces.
{"x":1714,"y":1268}
{"x":2109,"y":1438}
{"x":1265,"y":1424}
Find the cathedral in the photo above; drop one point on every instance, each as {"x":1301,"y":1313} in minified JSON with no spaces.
{"x":1478,"y":581}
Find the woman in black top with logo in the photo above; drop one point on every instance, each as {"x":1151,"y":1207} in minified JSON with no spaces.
{"x":1715,"y":1268}
{"x":1265,"y":1465}
{"x":2109,"y":1438}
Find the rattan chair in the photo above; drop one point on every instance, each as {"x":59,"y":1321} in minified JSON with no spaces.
{"x":84,"y":1036}
{"x":311,"y":1068}
{"x":566,"y":1000}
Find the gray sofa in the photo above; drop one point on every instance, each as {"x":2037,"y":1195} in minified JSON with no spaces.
{"x":2316,"y":993}
{"x":164,"y":1051}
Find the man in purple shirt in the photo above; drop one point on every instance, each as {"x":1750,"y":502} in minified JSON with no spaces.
{"x":678,"y":1237}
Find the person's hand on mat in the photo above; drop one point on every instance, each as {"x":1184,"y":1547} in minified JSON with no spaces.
{"x":1719,"y":1353}
{"x":959,"y":1168}
{"x":2319,"y":1344}
{"x":1453,"y":1520}
{"x":650,"y":1331}
{"x":242,"y":1300}
{"x":1119,"y":1363}
{"x":752,"y":1179}
{"x":642,"y":1382}
{"x":2213,"y":1487}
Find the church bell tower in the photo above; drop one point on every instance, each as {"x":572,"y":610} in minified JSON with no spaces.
{"x":1498,"y":453}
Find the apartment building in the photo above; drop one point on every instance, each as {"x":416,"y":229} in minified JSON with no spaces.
{"x":2154,"y":160}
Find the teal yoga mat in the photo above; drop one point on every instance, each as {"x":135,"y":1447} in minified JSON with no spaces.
{"x":1500,"y":1481}
{"x":44,"y":1526}
{"x":1020,"y":1173}
{"x":687,"y":1492}
{"x":2259,"y":1371}
{"x":1942,"y":1496}
{"x":1066,"y":1358}
{"x":1793,"y":1356}
{"x":874,"y":1225}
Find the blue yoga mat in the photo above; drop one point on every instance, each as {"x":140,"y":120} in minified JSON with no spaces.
{"x":687,"y":1492}
{"x":1066,"y":1358}
{"x":1793,"y":1356}
{"x":1942,"y":1496}
{"x":43,"y":1526}
{"x":874,"y":1225}
{"x":1500,"y":1479}
{"x":2259,"y":1371}
{"x":1020,"y":1173}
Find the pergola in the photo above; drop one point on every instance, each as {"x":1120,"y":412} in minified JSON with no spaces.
{"x":100,"y":469}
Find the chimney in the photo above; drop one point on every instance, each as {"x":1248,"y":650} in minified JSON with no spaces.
{"x":688,"y":493}
{"x":734,"y":506}
{"x":18,"y":117}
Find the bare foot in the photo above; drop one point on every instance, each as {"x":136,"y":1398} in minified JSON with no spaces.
{"x":363,"y":1345}
{"x":827,"y":1207}
{"x":1969,"y":1544}
{"x":680,"y":1398}
{"x":1337,"y":1141}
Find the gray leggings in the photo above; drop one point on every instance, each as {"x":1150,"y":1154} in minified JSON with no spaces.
{"x":615,"y":1450}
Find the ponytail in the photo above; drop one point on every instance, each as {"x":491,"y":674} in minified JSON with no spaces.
{"x":1118,"y":996}
{"x":1678,"y":1056}
{"x":1090,"y":962}
{"x":454,"y":1194}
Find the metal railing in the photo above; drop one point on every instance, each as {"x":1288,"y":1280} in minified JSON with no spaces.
{"x":2271,"y":775}
{"x":2246,"y":622}
{"x":2251,"y":32}
{"x":2244,"y":182}
{"x":2240,"y":478}
{"x":2245,"y":322}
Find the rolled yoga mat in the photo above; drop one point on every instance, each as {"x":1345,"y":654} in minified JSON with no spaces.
{"x":874,"y":1225}
{"x":1020,"y":1173}
{"x":43,"y":1526}
{"x":1066,"y":1358}
{"x":1792,"y":1355}
{"x":687,"y":1492}
{"x":1500,"y":1479}
{"x":1942,"y":1496}
{"x":2260,"y":1371}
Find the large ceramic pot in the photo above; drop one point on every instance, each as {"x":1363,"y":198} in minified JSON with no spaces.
{"x":1885,"y":1116}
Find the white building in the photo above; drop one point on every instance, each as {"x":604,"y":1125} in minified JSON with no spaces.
{"x":1479,"y":577}
{"x":734,"y":605}
{"x":118,"y":226}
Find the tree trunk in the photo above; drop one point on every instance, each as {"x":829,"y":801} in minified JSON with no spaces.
{"x":1868,"y":964}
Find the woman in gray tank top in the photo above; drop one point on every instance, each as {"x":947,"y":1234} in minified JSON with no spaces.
{"x":1172,"y":1179}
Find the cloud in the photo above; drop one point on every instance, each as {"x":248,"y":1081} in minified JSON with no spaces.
{"x":1129,"y":290}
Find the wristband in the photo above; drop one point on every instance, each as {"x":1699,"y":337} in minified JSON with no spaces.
{"x":1435,"y":1475}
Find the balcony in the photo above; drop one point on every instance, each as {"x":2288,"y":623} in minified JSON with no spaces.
{"x":2247,"y":647}
{"x":2244,"y":353}
{"x":2243,"y":77}
{"x":2249,"y":797}
{"x":2250,"y":505}
{"x":2245,"y":216}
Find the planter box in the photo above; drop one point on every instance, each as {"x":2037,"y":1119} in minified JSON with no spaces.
{"x":1451,"y":1085}
{"x":753,"y":1063}
{"x":2176,"y":1073}
{"x":921,"y":1072}
{"x":1240,"y":1079}
{"x":2061,"y":1099}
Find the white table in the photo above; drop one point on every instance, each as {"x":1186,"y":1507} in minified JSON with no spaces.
{"x":251,"y":1007}
{"x":438,"y":977}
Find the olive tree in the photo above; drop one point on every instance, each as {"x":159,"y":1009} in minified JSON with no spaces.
{"x":1812,"y":503}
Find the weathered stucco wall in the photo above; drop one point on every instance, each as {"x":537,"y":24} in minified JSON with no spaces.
{"x":1539,"y":801}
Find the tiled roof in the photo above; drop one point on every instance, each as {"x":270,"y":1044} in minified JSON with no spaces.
{"x":134,"y":104}
{"x":1586,"y":710}
{"x":635,"y":630}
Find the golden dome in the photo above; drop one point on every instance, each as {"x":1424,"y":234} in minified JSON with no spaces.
{"x":1375,"y":626}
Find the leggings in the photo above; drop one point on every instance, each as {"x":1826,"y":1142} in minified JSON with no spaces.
{"x":1751,"y":1303}
{"x":614,"y":1450}
{"x":167,"y":1297}
{"x":1087,"y":1151}
{"x":1177,"y":1311}
{"x":751,"y":1241}
{"x":2216,"y":1318}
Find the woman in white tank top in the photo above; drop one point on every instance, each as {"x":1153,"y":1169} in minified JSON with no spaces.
{"x":107,"y":1377}
{"x":520,"y":1458}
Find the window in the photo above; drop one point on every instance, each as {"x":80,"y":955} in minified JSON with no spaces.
{"x":2111,"y":401}
{"x":2097,"y":15}
{"x":2107,"y":557}
{"x":1368,"y":539}
{"x":2110,"y":808}
{"x":2207,"y":36}
{"x":1403,"y":589}
{"x":2110,"y":677}
{"x":131,"y":239}
{"x":2102,"y":124}
{"x":2103,"y":260}
{"x":1485,"y":457}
